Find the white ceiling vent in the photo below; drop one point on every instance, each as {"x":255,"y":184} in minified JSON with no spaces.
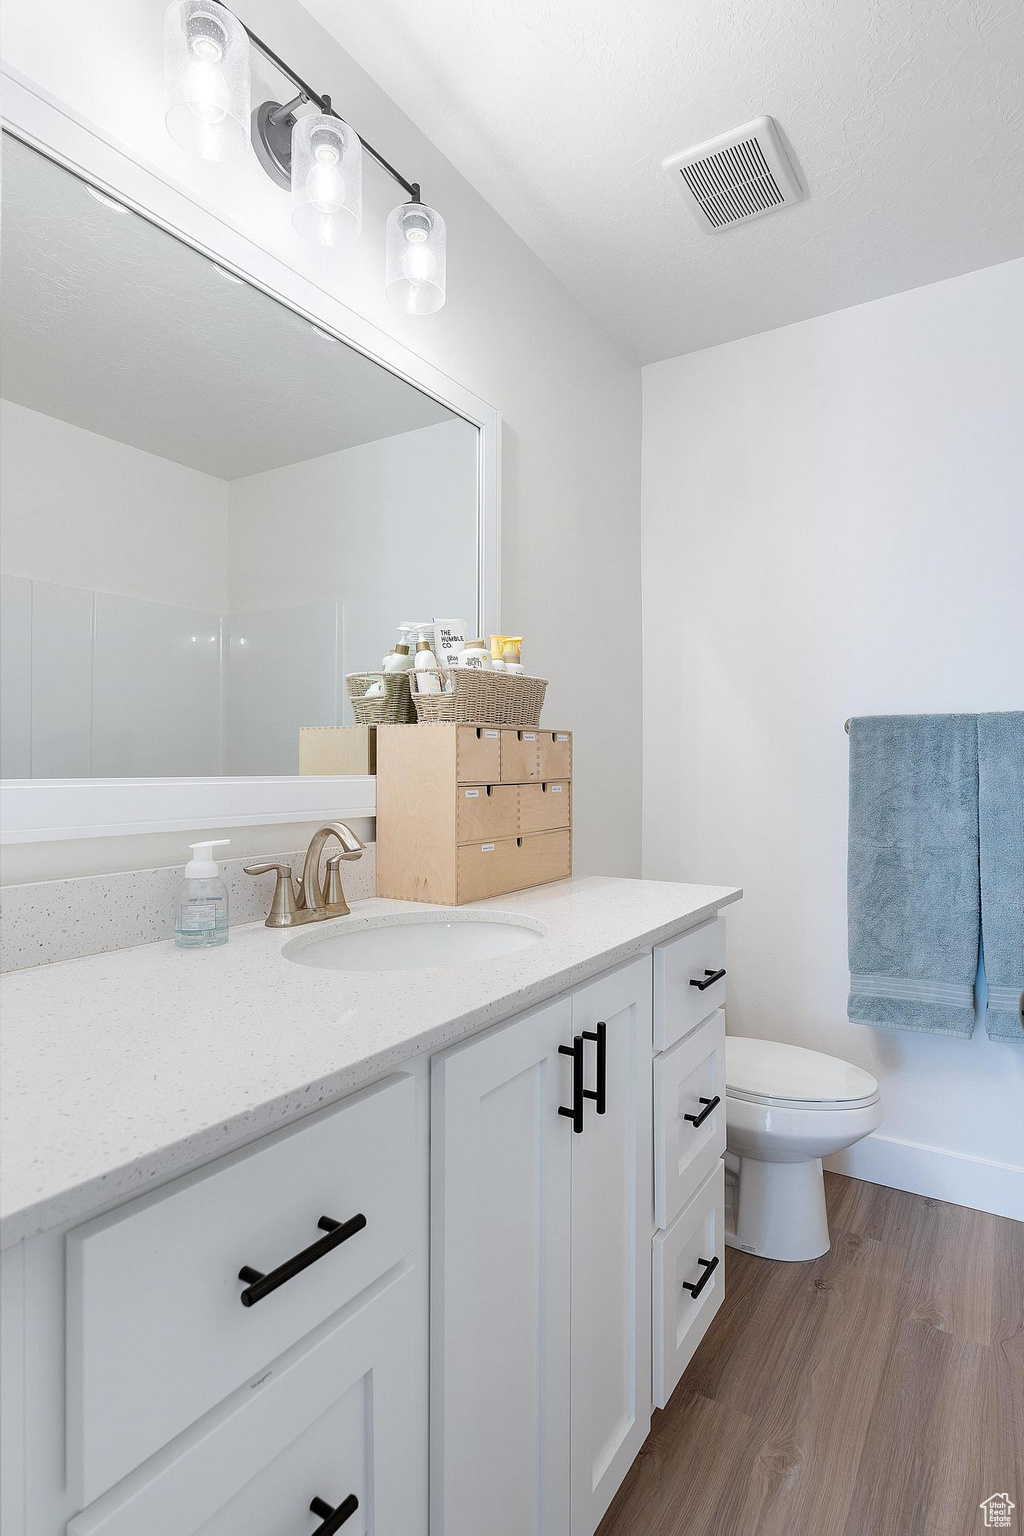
{"x":737,"y":177}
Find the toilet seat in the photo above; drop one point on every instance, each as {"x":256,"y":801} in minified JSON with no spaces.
{"x":771,"y":1101}
{"x":791,"y":1077}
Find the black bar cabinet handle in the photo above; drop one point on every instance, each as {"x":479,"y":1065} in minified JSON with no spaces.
{"x":709,"y":1105}
{"x":259,"y":1285}
{"x":710,"y":977}
{"x":696,"y":1288}
{"x":576,"y":1112}
{"x":333,"y":1519}
{"x":599,"y":1094}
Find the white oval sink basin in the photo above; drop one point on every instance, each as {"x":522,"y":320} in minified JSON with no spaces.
{"x":410,"y":941}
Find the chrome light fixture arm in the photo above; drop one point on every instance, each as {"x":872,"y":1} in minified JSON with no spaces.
{"x":278,"y":115}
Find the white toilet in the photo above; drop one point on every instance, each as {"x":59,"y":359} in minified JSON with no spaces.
{"x":786,"y":1109}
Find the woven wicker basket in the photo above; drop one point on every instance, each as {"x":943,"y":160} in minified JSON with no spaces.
{"x":483,"y":697}
{"x":394,"y":707}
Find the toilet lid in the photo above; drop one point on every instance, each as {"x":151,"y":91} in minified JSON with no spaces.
{"x":768,"y":1069}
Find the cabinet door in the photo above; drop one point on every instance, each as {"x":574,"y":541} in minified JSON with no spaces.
{"x":611,"y":1244}
{"x":501,"y":1164}
{"x":335,"y":1422}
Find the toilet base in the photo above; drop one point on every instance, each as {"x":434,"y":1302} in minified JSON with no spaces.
{"x":779,"y":1210}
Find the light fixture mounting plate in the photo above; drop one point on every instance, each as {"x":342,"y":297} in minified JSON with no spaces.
{"x":272,"y":141}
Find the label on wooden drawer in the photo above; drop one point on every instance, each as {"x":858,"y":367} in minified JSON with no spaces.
{"x":556,"y":789}
{"x":561,"y":736}
{"x":528,"y":736}
{"x":156,"y":1330}
{"x":491,"y":735}
{"x":472,"y":794}
{"x":486,"y":847}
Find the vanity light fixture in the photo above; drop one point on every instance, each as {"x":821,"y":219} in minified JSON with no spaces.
{"x":302,"y":144}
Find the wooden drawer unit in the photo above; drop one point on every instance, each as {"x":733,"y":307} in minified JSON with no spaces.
{"x":512,"y":864}
{"x":689,"y":1282}
{"x":463,"y":811}
{"x":689,"y":981}
{"x":478,"y":753}
{"x":486,"y":812}
{"x":555,"y":750}
{"x":543,"y":807}
{"x":520,"y":757}
{"x":334,"y":1422}
{"x":689,"y":1116}
{"x":156,"y":1285}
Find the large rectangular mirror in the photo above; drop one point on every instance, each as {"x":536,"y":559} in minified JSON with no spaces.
{"x":212,"y":509}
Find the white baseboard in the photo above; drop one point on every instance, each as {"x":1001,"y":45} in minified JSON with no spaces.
{"x":952,"y":1176}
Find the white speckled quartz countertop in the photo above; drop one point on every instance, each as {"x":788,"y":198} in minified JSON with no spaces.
{"x":123,"y":1069}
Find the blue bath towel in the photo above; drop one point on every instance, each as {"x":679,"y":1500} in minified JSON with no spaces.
{"x":913,"y":886}
{"x":1001,"y":824}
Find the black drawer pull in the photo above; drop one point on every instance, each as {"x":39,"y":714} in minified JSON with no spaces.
{"x":259,"y":1285}
{"x":575,"y":1114}
{"x":599,"y":1094}
{"x":696,"y":1288}
{"x":709,"y":1105}
{"x":710,"y":977}
{"x":333,"y":1519}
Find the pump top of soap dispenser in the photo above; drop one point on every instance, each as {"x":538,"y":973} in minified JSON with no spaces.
{"x":202,"y":865}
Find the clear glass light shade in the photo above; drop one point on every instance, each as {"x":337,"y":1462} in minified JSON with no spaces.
{"x":415,"y":276}
{"x":327,"y":180}
{"x":206,"y":78}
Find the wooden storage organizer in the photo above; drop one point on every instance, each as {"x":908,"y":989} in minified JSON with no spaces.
{"x":333,"y":749}
{"x":467,"y":811}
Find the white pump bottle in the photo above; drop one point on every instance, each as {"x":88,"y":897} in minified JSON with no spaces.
{"x":201,"y":920}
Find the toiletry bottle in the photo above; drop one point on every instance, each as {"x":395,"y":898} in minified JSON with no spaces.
{"x":511,"y":655}
{"x":398,"y":660}
{"x":475,"y":656}
{"x":498,"y":653}
{"x":202,"y":916}
{"x":427,"y":678}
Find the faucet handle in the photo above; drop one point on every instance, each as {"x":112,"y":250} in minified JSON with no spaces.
{"x":334,"y":894}
{"x":283,"y":907}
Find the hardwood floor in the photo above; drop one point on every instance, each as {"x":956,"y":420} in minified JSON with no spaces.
{"x":877,"y":1391}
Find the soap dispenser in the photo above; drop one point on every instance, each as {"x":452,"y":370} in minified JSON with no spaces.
{"x":202,"y":916}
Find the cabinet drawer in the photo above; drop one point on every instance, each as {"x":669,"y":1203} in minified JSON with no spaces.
{"x":543,"y":807}
{"x":687,"y":1080}
{"x":487,"y":811}
{"x":477,"y":754}
{"x":520,"y":757}
{"x":555,"y":754}
{"x":681,"y":1319}
{"x":679,"y":965}
{"x":157,"y":1332}
{"x":512,"y":864}
{"x":335,"y":1421}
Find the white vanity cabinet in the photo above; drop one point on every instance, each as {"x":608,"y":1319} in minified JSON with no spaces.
{"x":532,"y":1251}
{"x":541,"y":1263}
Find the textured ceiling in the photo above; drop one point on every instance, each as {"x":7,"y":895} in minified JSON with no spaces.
{"x":110,"y":323}
{"x":906,"y":118}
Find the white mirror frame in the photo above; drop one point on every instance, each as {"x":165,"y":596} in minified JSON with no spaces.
{"x":44,"y":810}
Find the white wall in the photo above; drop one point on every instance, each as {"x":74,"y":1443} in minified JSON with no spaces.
{"x":81,"y":510}
{"x":510,"y":332}
{"x":833,"y":525}
{"x":389,"y":527}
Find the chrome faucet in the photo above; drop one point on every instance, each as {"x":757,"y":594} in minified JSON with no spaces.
{"x":313,"y":901}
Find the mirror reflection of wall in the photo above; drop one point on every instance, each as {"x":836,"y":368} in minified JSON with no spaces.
{"x":211,"y":509}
